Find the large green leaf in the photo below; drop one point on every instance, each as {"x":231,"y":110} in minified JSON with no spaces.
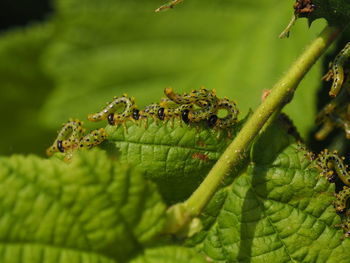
{"x":177,"y":157}
{"x":106,"y":48}
{"x":278,"y":210}
{"x":169,"y":254}
{"x":91,"y":210}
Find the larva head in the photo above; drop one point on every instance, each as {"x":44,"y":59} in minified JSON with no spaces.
{"x":135,"y":114}
{"x":168,"y":91}
{"x":331,"y":177}
{"x":212,"y":121}
{"x":184,"y":116}
{"x":161,"y":114}
{"x":110,"y":119}
{"x":60,"y":146}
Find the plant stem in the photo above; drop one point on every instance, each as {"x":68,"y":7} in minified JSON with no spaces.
{"x":169,"y":5}
{"x":280,"y":95}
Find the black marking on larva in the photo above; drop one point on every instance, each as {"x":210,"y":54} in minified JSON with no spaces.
{"x":160,"y":113}
{"x":110,"y":119}
{"x":135,"y":114}
{"x":60,"y":146}
{"x":212,"y":121}
{"x":184,"y":116}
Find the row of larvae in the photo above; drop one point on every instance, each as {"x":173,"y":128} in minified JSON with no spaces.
{"x":72,"y":136}
{"x":194,"y":107}
{"x":201,"y":105}
{"x":337,"y":71}
{"x":337,"y":112}
{"x":332,"y":166}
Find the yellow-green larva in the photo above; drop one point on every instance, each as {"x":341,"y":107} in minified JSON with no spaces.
{"x":345,"y":225}
{"x":95,"y":137}
{"x":170,"y":110}
{"x":71,"y":137}
{"x":194,"y":97}
{"x":110,"y":111}
{"x":341,"y":200}
{"x":204,"y":102}
{"x":337,"y":70}
{"x":67,"y":136}
{"x":331,"y":164}
{"x":231,"y":116}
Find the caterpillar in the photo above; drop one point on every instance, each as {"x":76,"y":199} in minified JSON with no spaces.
{"x":109,"y":112}
{"x":193,"y":97}
{"x":170,"y":110}
{"x":71,"y":137}
{"x":341,"y":200}
{"x":231,"y":116}
{"x":198,"y":105}
{"x":336,"y":70}
{"x":66,"y":136}
{"x":204,"y":99}
{"x":345,"y":225}
{"x":330,"y":162}
{"x":95,"y":137}
{"x":150,"y":110}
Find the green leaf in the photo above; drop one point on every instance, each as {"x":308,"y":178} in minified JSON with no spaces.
{"x":106,"y":48}
{"x":169,"y":254}
{"x":177,"y":157}
{"x":90,"y":210}
{"x":278,"y":210}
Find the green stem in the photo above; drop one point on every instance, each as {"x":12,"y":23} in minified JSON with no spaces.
{"x":281,"y":94}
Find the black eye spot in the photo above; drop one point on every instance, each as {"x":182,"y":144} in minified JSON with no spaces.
{"x":60,"y":146}
{"x":110,"y":119}
{"x":332,"y":178}
{"x":161,"y":113}
{"x":340,"y":212}
{"x":184,"y":116}
{"x":212,"y":121}
{"x":136,"y":114}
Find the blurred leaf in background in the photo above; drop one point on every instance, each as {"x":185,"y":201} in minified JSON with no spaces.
{"x":90,"y":51}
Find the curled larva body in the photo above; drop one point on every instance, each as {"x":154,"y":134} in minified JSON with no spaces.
{"x":204,"y":103}
{"x":206,"y":110}
{"x":341,"y":200}
{"x":231,"y":116}
{"x":338,"y":70}
{"x":67,"y":136}
{"x":330,"y":163}
{"x":127,"y":103}
{"x":71,"y":137}
{"x":73,"y":128}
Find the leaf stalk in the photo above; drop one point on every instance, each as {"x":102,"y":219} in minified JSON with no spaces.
{"x":280,"y":95}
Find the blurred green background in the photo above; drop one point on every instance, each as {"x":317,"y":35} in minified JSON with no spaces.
{"x":66,"y":58}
